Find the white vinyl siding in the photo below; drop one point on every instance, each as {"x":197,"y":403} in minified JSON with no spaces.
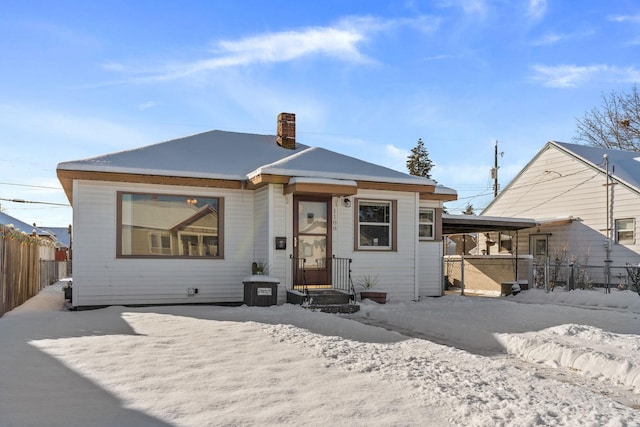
{"x":556,"y":185}
{"x":395,"y":270}
{"x":103,"y":279}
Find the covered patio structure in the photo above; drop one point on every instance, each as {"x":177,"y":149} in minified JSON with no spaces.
{"x":484,"y":271}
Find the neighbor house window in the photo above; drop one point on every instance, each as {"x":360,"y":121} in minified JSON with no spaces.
{"x":425,"y":228}
{"x":375,"y":225}
{"x":505,"y":243}
{"x":625,"y":231}
{"x":159,"y":225}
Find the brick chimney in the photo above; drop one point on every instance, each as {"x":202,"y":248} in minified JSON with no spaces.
{"x":286,"y":133}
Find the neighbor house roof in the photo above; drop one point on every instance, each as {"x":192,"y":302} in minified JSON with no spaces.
{"x":61,"y":234}
{"x":244,"y":159}
{"x":8,"y":220}
{"x":624,"y":166}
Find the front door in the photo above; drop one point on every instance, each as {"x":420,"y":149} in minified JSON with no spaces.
{"x":312,"y":240}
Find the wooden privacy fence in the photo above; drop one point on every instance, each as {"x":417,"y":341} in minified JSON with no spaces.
{"x":19,"y":267}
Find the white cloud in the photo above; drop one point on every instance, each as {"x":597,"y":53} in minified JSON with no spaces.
{"x":341,"y":41}
{"x":396,"y":158}
{"x":553,"y":37}
{"x":625,"y":18}
{"x":146,"y":105}
{"x":474,"y":7}
{"x":548,"y":39}
{"x":574,"y":75}
{"x":537,"y":8}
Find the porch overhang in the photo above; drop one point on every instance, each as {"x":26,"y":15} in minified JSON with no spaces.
{"x":306,"y":185}
{"x":465,"y":224}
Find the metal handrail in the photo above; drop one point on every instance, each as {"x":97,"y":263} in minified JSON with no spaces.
{"x":342,"y":276}
{"x":298,"y":283}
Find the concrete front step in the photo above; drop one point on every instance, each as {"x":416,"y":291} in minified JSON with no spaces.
{"x":328,"y":297}
{"x":325,"y":300}
{"x":334,"y":308}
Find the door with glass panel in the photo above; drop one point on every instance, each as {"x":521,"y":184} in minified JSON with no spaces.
{"x":312,"y":241}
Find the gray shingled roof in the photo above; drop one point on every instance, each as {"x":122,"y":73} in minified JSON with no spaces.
{"x":239,"y":156}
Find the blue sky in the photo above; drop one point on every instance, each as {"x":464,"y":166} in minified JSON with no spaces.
{"x":365,"y":78}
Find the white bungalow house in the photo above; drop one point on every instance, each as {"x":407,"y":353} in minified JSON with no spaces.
{"x":586,"y":203}
{"x":183,"y":221}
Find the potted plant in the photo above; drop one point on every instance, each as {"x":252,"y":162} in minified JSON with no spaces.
{"x":259,"y":268}
{"x":367,"y":283}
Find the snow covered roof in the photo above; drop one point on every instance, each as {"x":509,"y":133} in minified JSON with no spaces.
{"x":215,"y":154}
{"x":61,"y":234}
{"x":8,"y":220}
{"x":241,"y":157}
{"x":623,"y":165}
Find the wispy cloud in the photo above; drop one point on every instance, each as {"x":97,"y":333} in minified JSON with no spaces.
{"x":342,"y":41}
{"x":536,"y":8}
{"x":552,"y":38}
{"x":146,"y":105}
{"x":565,"y":76}
{"x":396,"y":157}
{"x":474,"y":7}
{"x":625,"y":18}
{"x":548,"y":39}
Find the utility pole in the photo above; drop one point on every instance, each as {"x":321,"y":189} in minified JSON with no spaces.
{"x":494,"y":170}
{"x":607,"y":241}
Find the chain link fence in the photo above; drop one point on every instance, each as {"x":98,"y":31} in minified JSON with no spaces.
{"x":550,"y":274}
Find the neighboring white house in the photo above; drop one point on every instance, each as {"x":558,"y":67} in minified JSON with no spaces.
{"x":586,"y":201}
{"x":182,"y":221}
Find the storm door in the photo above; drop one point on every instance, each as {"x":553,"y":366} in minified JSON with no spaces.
{"x":312,"y":240}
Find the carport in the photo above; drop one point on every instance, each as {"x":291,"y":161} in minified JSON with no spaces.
{"x":464,"y":225}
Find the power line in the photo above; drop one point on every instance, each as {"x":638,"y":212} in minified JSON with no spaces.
{"x":31,"y":186}
{"x":29,"y":201}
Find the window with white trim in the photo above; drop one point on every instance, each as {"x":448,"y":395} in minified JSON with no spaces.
{"x":425,"y":227}
{"x":625,"y":231}
{"x":375,"y":224}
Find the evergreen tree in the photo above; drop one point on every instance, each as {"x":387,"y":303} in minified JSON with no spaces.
{"x":418,"y":162}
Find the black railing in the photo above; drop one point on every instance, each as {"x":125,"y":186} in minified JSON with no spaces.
{"x":299,"y":282}
{"x":342,"y":275}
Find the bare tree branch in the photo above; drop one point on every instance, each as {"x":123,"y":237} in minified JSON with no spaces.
{"x":615,"y":124}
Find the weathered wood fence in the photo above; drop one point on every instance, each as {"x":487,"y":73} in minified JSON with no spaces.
{"x":20,"y":255}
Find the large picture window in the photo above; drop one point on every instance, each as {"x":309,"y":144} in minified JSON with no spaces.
{"x":159,"y":225}
{"x":375,"y":224}
{"x":625,"y":231}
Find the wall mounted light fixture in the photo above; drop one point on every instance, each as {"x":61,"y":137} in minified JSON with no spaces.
{"x":347,"y":202}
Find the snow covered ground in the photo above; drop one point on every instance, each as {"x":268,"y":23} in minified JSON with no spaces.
{"x":561,"y":358}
